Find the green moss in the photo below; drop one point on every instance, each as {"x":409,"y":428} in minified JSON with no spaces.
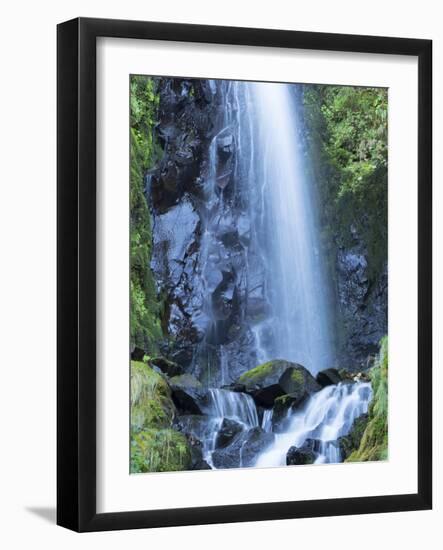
{"x":282,"y":401}
{"x":297,"y":377}
{"x":145,"y":304}
{"x":374,"y":442}
{"x":159,"y":451}
{"x":151,"y":403}
{"x":257,"y":374}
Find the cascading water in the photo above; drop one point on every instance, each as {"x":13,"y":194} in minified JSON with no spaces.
{"x":235,"y":406}
{"x":223,"y":404}
{"x":284,"y":269}
{"x":327,"y":415}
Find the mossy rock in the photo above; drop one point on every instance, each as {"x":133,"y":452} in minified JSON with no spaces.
{"x":185,"y":381}
{"x":159,"y":451}
{"x":151,"y":402}
{"x":276,"y":378}
{"x":188,"y":394}
{"x":374,"y":441}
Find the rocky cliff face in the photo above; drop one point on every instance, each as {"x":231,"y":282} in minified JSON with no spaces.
{"x":200,"y":234}
{"x":362,"y":304}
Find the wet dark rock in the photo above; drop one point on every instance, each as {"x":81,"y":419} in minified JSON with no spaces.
{"x":328,"y":377}
{"x":137,"y":354}
{"x":244,"y":449}
{"x":281,"y":410}
{"x":227,"y":431}
{"x":362,"y":303}
{"x":351,"y":442}
{"x":224,"y":297}
{"x":234,"y":387}
{"x":201,"y":465}
{"x":188,"y":394}
{"x":306,"y":454}
{"x":276,"y":378}
{"x":168,"y":367}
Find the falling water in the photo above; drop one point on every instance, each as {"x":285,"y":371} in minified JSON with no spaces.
{"x":327,"y":415}
{"x":289,"y":238}
{"x":234,"y":406}
{"x":224,"y":404}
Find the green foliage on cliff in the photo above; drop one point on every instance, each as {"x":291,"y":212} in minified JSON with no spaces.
{"x":374,"y":442}
{"x":145,"y":305}
{"x":155,"y":445}
{"x":151,"y":403}
{"x":159,"y":451}
{"x":347,"y":140}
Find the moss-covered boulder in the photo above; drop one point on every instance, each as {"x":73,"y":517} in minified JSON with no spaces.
{"x":276,"y":378}
{"x":374,"y":441}
{"x":188,"y":394}
{"x":151,"y":402}
{"x":159,"y":451}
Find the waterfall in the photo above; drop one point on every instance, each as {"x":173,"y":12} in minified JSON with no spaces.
{"x":258,"y":170}
{"x":327,"y":415}
{"x":224,"y":404}
{"x":287,"y":232}
{"x":236,"y":406}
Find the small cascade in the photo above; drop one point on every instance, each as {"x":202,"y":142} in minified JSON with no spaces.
{"x":225,"y":404}
{"x":327,"y":415}
{"x":236,"y":406}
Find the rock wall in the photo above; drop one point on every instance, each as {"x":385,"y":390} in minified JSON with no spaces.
{"x":200,"y":234}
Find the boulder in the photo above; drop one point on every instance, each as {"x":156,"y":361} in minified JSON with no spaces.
{"x":277,"y":378}
{"x":188,"y":394}
{"x":166,"y":366}
{"x":243,"y":450}
{"x":306,"y":454}
{"x":227,"y":431}
{"x":328,"y":377}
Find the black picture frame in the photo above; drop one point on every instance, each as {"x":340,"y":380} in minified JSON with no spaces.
{"x":76,"y":266}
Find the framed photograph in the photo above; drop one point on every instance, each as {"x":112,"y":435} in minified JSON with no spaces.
{"x":244,"y":274}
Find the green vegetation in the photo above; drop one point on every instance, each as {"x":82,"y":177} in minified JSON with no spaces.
{"x":155,"y":445}
{"x":347,"y":142}
{"x":145,"y":305}
{"x":257,"y":374}
{"x":297,"y":377}
{"x":159,"y":451}
{"x":151,"y":403}
{"x":374,"y":442}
